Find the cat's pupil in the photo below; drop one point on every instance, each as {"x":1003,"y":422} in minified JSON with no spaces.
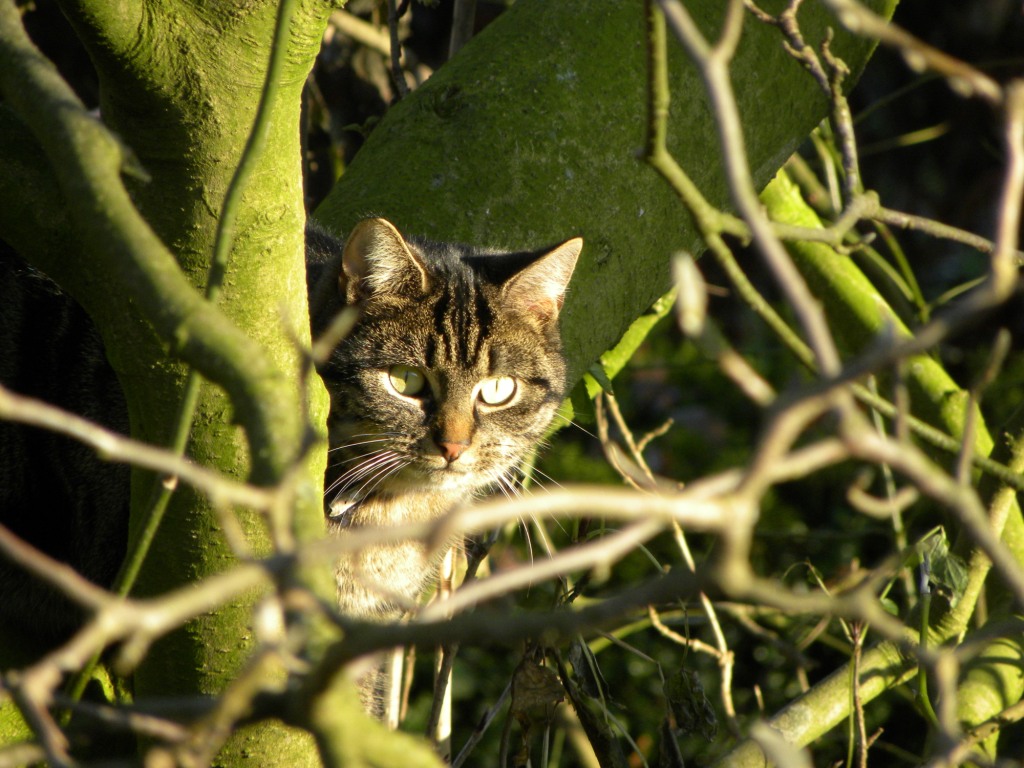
{"x":406,"y":380}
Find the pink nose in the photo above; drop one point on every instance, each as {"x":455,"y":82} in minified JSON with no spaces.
{"x":451,"y":450}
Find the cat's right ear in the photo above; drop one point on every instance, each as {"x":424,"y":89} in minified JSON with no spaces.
{"x":539,"y":289}
{"x":377,"y":260}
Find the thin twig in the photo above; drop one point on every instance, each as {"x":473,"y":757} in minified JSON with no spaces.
{"x":930,"y":480}
{"x":829,"y":81}
{"x":713,"y":64}
{"x":133,"y":721}
{"x":481,"y":728}
{"x":937,"y":229}
{"x":857,"y":709}
{"x":59,"y":575}
{"x":114,"y":447}
{"x":363,"y":32}
{"x":137,"y":624}
{"x":609,"y":548}
{"x":723,"y":654}
{"x":463,"y":19}
{"x":397,"y":73}
{"x":963,"y":78}
{"x":20,"y":755}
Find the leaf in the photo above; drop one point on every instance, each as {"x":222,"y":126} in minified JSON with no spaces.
{"x":601,"y":379}
{"x":951,"y":573}
{"x":947,"y":572}
{"x":890,"y":606}
{"x":597,"y":728}
{"x":536,"y":691}
{"x":588,"y":673}
{"x":689,"y":705}
{"x":580,"y":404}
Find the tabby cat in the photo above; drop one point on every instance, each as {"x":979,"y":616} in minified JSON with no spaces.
{"x":449,"y":378}
{"x":448,"y":381}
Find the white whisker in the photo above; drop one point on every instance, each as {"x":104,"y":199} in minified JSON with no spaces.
{"x":366,"y":465}
{"x":378,"y":439}
{"x":577,"y":425}
{"x":525,"y":525}
{"x":545,"y":477}
{"x":508,"y":484}
{"x":397,"y":464}
{"x":360,"y":457}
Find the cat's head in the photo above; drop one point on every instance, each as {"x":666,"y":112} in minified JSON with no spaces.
{"x":454,"y":369}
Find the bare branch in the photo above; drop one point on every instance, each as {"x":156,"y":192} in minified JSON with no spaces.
{"x":114,"y":447}
{"x":964,"y":79}
{"x":713,"y":65}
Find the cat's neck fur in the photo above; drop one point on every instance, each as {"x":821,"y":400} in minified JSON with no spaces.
{"x":383,"y":580}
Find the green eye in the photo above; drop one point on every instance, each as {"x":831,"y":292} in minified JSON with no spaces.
{"x":406,"y":380}
{"x":497,"y":391}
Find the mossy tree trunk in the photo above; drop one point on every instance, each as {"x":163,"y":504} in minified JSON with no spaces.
{"x":180,"y":84}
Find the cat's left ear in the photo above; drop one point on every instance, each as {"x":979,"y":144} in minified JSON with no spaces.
{"x":377,"y":260}
{"x":539,"y":289}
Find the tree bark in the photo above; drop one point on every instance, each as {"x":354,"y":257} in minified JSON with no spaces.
{"x":180,"y":89}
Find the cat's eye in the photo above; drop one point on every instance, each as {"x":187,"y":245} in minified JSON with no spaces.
{"x":406,"y":380}
{"x":497,"y":391}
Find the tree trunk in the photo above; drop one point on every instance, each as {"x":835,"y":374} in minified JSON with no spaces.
{"x":180,"y":87}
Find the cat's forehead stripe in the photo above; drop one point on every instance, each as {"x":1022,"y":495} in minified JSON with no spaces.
{"x":441,"y":333}
{"x":430,"y":351}
{"x":483,"y":317}
{"x":462,"y":322}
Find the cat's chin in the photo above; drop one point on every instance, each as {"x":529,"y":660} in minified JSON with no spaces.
{"x":429,"y":477}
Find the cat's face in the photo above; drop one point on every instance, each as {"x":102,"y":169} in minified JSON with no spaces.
{"x":453,"y":371}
